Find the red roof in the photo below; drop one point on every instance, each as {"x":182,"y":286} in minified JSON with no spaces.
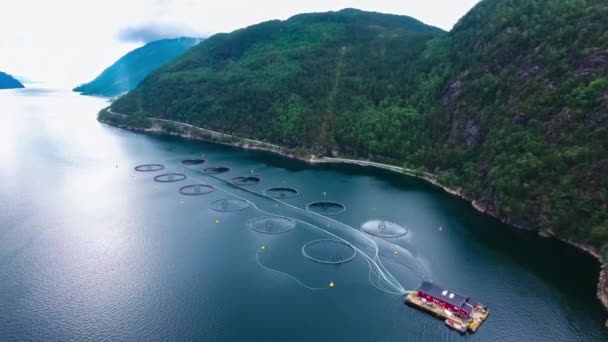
{"x":444,"y":295}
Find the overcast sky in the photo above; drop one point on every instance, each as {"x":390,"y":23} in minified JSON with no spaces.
{"x":68,"y":42}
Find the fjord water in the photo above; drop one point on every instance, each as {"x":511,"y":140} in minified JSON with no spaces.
{"x":92,"y":250}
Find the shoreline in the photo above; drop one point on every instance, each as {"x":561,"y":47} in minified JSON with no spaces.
{"x":187,"y":131}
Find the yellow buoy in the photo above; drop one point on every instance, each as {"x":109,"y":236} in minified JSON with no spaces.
{"x":263,"y":247}
{"x":217,"y":221}
{"x":331,"y":284}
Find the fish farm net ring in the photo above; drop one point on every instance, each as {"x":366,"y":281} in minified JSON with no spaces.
{"x":382,"y":228}
{"x":326,"y":208}
{"x":329,"y":251}
{"x":170,"y":177}
{"x":246,"y":180}
{"x":216,"y":170}
{"x":149,"y":167}
{"x":196,"y":189}
{"x":193,"y":161}
{"x":272,"y":224}
{"x":227,"y":205}
{"x":281,"y":192}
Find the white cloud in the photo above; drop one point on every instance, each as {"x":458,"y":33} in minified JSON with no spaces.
{"x":149,"y":32}
{"x":70,"y":41}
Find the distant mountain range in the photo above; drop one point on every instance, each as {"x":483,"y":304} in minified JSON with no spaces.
{"x":510,"y":107}
{"x":127,"y":72}
{"x":9,"y":82}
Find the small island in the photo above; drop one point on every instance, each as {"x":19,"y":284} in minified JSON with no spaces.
{"x":9,"y":82}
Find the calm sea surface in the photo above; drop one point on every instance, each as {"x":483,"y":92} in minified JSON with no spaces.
{"x":90,"y":249}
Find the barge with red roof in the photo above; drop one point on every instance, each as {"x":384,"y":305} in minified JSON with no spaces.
{"x":460,"y":313}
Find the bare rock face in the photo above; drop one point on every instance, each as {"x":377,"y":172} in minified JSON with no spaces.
{"x":472,"y":133}
{"x":602,"y":287}
{"x":556,"y":125}
{"x":449,"y":97}
{"x":597,"y":121}
{"x":504,"y":59}
{"x":521,"y":119}
{"x":463,"y":128}
{"x":589,"y":66}
{"x":528,"y":69}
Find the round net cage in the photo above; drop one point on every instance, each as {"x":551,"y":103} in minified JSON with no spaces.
{"x":272,"y":224}
{"x":329,"y":251}
{"x":227,"y":205}
{"x":196,"y":189}
{"x":246,"y":180}
{"x":383,"y":228}
{"x":281,"y":192}
{"x":326,"y":208}
{"x":216,"y":170}
{"x":196,"y":161}
{"x":149,"y":167}
{"x":170,"y":177}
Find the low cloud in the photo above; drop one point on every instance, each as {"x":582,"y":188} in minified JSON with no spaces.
{"x":154,"y":31}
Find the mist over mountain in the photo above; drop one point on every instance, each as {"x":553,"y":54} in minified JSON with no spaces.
{"x":127,"y":72}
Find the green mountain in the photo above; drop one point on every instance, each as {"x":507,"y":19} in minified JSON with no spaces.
{"x":288,"y":81}
{"x":9,"y":82}
{"x":510,"y":107}
{"x":127,"y":72}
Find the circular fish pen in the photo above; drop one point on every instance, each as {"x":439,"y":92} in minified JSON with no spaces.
{"x":196,"y":189}
{"x":170,"y":177}
{"x":329,"y":251}
{"x":190,"y":162}
{"x":384,"y":229}
{"x":326,"y":208}
{"x":281,"y":192}
{"x":246,"y":180}
{"x":229,"y":205}
{"x":216,"y":170}
{"x":272,"y":224}
{"x":149,"y":167}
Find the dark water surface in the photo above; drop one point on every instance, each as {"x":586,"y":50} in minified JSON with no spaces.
{"x":92,"y":250}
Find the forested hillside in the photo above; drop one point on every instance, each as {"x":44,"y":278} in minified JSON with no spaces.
{"x":511,"y":106}
{"x":288,"y":81}
{"x":128,"y":71}
{"x":519,"y":92}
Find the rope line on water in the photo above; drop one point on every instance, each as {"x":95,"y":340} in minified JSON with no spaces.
{"x":376,"y":267}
